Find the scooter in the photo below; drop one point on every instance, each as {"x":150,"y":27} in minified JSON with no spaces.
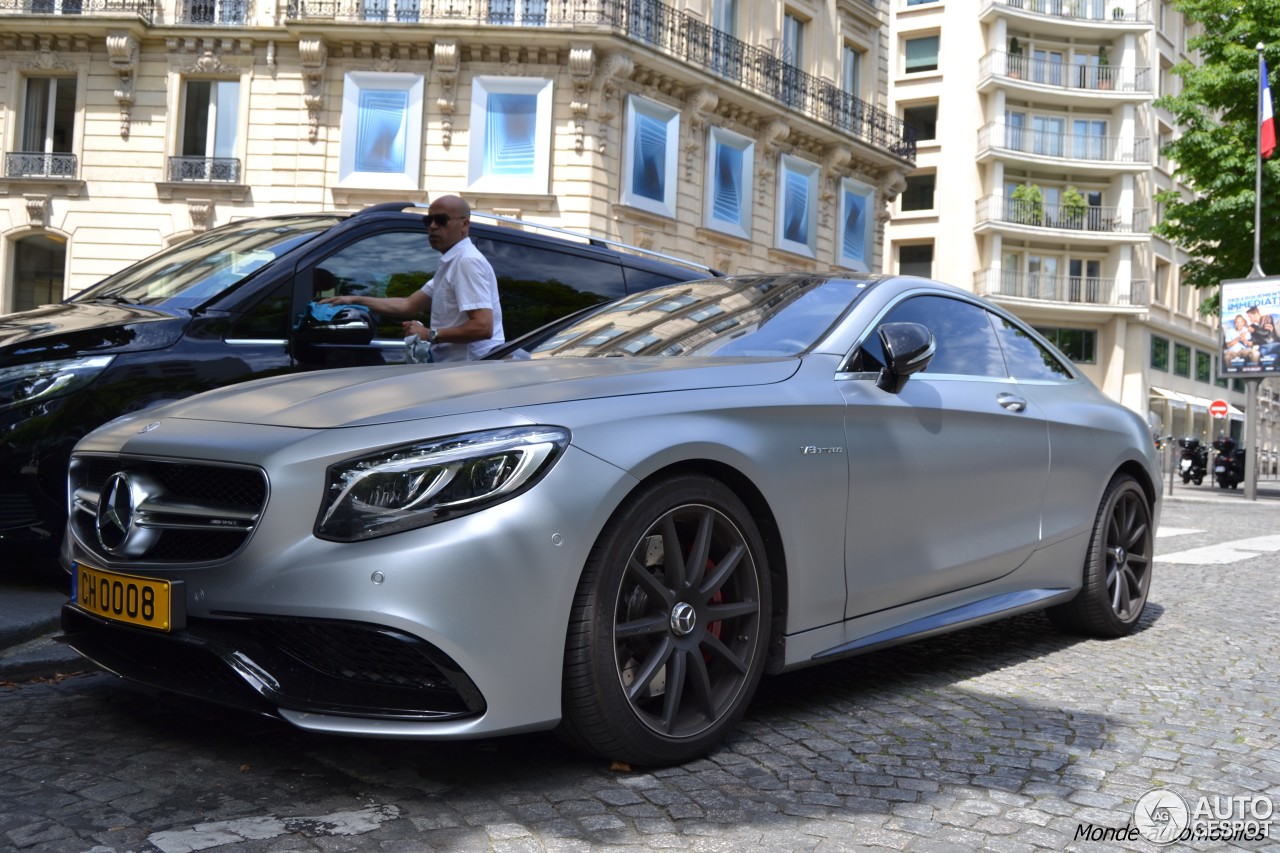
{"x":1194,"y":463}
{"x":1228,"y":467}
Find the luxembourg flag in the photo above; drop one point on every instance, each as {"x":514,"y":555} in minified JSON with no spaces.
{"x":1267,"y":137}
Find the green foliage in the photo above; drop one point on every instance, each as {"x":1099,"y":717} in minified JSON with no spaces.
{"x":1073,"y":208}
{"x":1028,"y":204}
{"x":1216,"y":153}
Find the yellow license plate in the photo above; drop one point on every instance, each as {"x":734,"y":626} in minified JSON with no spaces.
{"x":123,"y":598}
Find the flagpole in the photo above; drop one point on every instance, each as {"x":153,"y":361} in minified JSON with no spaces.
{"x":1257,"y":272}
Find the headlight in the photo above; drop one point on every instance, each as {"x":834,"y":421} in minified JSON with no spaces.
{"x":43,"y":380}
{"x":420,"y":484}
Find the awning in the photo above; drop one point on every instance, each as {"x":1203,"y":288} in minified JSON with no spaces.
{"x":1195,"y":402}
{"x":1167,"y":394}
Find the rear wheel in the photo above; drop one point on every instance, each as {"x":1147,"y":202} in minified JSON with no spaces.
{"x":669,"y":626}
{"x":1117,"y":569}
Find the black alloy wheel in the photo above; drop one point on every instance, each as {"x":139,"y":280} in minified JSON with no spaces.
{"x":669,"y":627}
{"x":1118,"y":564}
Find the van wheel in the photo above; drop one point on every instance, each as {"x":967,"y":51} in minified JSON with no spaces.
{"x":669,"y":626}
{"x":1117,"y":568}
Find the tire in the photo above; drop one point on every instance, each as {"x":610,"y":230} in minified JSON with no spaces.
{"x":664,"y":655}
{"x":1186,"y":478}
{"x":1117,"y":568}
{"x":1199,"y":480}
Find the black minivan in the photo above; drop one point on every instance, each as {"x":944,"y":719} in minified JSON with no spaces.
{"x":225,"y":306}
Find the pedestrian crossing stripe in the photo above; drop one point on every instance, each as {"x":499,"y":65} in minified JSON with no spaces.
{"x":1224,"y":552}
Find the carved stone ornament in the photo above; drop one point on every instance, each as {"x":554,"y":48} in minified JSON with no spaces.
{"x":702,"y":105}
{"x":315,"y":56}
{"x":582,"y":64}
{"x":771,"y":136}
{"x":836,"y":161}
{"x":615,"y":68}
{"x":37,"y":210}
{"x":122,"y":50}
{"x":201,"y":213}
{"x":445,"y":61}
{"x":46,"y":59}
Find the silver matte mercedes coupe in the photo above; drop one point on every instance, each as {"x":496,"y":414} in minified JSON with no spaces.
{"x":618,"y":527}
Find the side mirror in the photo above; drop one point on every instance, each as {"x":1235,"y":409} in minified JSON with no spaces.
{"x":908,"y":348}
{"x":335,"y":324}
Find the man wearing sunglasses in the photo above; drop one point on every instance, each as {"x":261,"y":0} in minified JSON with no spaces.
{"x":461,"y":299}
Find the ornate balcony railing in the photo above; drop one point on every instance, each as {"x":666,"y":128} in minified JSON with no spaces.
{"x":1093,"y":218}
{"x":210,"y":169}
{"x":1089,"y":290}
{"x":234,"y":12}
{"x":1066,"y":146}
{"x":36,"y":164}
{"x":143,"y":9}
{"x":661,"y":27}
{"x":1128,"y":11}
{"x":1064,"y":75}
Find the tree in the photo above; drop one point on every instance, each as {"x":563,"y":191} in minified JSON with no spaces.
{"x":1216,"y":153}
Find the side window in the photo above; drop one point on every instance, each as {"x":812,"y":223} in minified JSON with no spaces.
{"x":268,"y":320}
{"x":394,"y":263}
{"x":537,"y":285}
{"x":966,"y":342}
{"x":638,"y":279}
{"x":1026,"y":358}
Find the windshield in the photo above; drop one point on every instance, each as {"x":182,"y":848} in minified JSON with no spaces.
{"x":189,"y":274}
{"x":760,"y":315}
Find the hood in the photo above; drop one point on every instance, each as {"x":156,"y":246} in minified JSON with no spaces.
{"x":71,"y":329}
{"x":379,"y":395}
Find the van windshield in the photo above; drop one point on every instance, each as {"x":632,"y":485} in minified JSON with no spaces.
{"x":190,"y":274}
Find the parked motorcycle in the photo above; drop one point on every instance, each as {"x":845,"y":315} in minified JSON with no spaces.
{"x":1228,"y":467}
{"x":1194,"y":462}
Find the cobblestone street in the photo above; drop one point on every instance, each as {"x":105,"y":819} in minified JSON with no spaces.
{"x":1008,"y":737}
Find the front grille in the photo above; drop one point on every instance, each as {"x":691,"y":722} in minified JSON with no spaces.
{"x":231,"y":498}
{"x":16,"y":509}
{"x":263,"y":664}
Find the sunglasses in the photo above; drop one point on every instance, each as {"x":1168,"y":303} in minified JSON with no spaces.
{"x":440,"y":220}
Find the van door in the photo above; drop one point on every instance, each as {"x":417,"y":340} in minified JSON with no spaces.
{"x":384,"y":264}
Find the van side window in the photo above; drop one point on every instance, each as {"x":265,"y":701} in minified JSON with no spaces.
{"x":266,"y":321}
{"x":393,"y":263}
{"x":640,"y":279}
{"x":537,"y":285}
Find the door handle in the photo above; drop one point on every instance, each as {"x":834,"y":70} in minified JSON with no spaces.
{"x":1012,"y":402}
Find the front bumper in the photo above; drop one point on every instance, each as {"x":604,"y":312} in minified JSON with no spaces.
{"x":452,"y":630}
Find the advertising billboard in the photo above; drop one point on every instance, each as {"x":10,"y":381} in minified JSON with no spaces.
{"x":1250,"y":318}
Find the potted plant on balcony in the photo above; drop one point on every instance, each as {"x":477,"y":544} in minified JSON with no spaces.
{"x":1015,"y":58}
{"x":1028,"y":205}
{"x":1072,"y":208}
{"x":1104,"y":69}
{"x":1117,"y":13}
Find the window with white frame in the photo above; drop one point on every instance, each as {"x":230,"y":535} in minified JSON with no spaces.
{"x":47,"y":131}
{"x":523,"y":12}
{"x":851,"y":59}
{"x":724,"y":16}
{"x":797,"y":206}
{"x":381,"y":130}
{"x":921,"y":54}
{"x":793,"y":35}
{"x":510,"y":147}
{"x":649,"y":156}
{"x":857,"y":225}
{"x":730,"y":158}
{"x":208,"y":133}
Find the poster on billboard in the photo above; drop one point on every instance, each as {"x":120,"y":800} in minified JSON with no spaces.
{"x":1250,"y":317}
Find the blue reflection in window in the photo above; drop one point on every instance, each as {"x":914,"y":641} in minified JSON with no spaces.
{"x":727,"y":201}
{"x":649,"y":161}
{"x":796,"y":207}
{"x":855,"y":229}
{"x":380,"y":131}
{"x":510,"y":125}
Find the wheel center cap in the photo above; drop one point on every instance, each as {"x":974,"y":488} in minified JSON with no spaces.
{"x":1120,"y":554}
{"x":683,"y":619}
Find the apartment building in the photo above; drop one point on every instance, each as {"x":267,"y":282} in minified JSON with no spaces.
{"x":1038,"y":159}
{"x":747,"y":136}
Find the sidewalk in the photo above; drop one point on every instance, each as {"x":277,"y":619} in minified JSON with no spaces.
{"x":29,"y":610}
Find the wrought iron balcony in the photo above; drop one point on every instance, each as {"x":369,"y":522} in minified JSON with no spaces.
{"x":1092,"y":218}
{"x":1065,"y":75}
{"x":659,"y":26}
{"x":1066,"y":146}
{"x":1128,"y":11}
{"x":208,"y":169}
{"x":36,"y":164}
{"x":1089,"y":290}
{"x":143,"y":9}
{"x":234,"y":12}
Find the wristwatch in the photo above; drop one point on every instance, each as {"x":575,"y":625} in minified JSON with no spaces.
{"x":431,"y":336}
